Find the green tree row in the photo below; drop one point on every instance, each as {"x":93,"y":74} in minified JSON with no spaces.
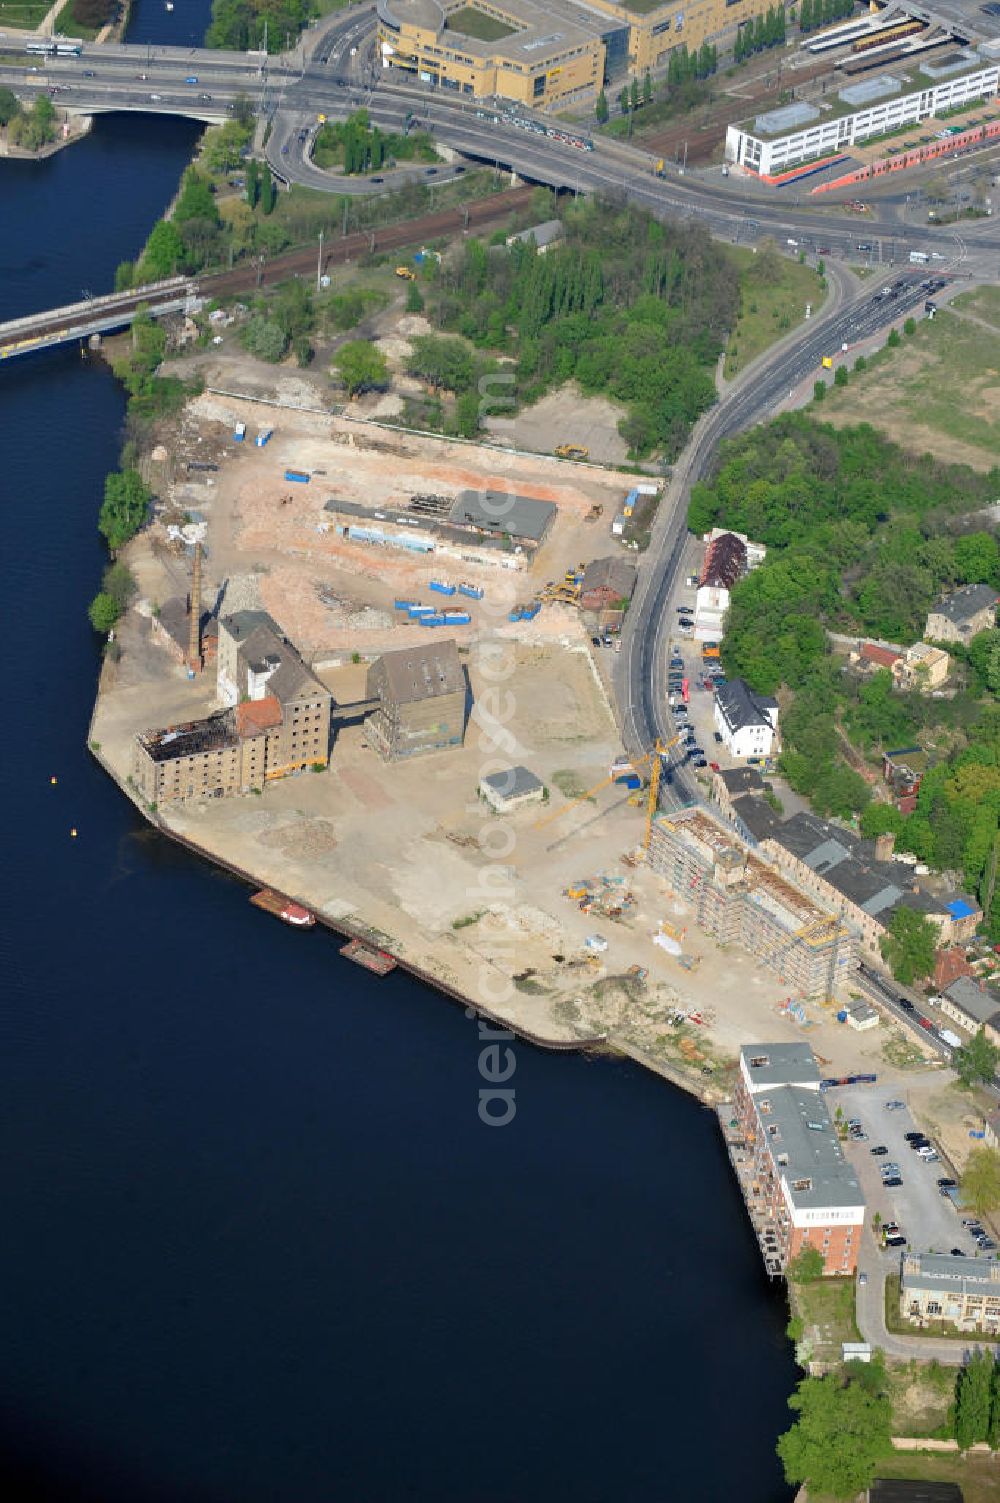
{"x":241,"y":25}
{"x":760,"y":34}
{"x":816,"y":13}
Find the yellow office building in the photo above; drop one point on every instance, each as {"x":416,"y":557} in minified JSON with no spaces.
{"x":553,"y":54}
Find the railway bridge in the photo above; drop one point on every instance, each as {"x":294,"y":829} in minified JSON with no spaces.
{"x":95,"y":315}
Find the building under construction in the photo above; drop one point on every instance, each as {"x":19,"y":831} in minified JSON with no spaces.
{"x":738,"y":899}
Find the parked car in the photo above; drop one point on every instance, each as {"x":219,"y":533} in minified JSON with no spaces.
{"x":879,"y":1150}
{"x":914,"y":1137}
{"x":895,"y":1106}
{"x":862,"y":1278}
{"x":892,"y":1181}
{"x":957,"y":1252}
{"x":718,"y":737}
{"x":986,"y":1244}
{"x":905,"y":1004}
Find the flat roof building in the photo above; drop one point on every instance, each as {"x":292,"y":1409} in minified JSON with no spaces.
{"x":511,"y":789}
{"x":937,"y":1287}
{"x":503,"y":514}
{"x":799,"y":1189}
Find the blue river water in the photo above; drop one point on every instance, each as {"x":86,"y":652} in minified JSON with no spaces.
{"x":257,"y":1243}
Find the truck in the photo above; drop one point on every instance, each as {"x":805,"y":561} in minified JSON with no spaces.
{"x":947,"y":1036}
{"x":918,"y":258}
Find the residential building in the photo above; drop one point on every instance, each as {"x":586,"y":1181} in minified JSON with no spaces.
{"x":746,"y":721}
{"x":872,"y":657}
{"x":542,"y":236}
{"x":739,"y":899}
{"x":799,"y":1189}
{"x":780,"y":139}
{"x":606,"y":583}
{"x":922,"y":667}
{"x":972,"y":1006}
{"x":950,"y":963}
{"x":550,"y":54}
{"x":963,"y":614}
{"x":731,"y":783}
{"x":939,"y":1287}
{"x":511,"y":789}
{"x":422,"y":696}
{"x":275,"y":721}
{"x":728,"y":557}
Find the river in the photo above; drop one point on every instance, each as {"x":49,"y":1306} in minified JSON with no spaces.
{"x":257,"y":1243}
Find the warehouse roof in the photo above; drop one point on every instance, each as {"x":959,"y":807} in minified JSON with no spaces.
{"x":262,"y":647}
{"x":542,"y":234}
{"x":503,"y":512}
{"x":779,"y":1064}
{"x":741,"y":779}
{"x":615,"y":574}
{"x":801,"y":1138}
{"x":415,"y":673}
{"x":756,"y":816}
{"x":975,"y":1001}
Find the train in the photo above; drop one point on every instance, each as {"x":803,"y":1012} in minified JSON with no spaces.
{"x":54,"y":47}
{"x":891,"y":34}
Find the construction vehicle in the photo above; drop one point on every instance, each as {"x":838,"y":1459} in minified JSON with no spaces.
{"x":827,"y":362}
{"x":406,"y":274}
{"x":571,"y":451}
{"x":595,"y":513}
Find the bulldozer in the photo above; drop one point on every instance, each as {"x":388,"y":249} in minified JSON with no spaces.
{"x":572,"y":451}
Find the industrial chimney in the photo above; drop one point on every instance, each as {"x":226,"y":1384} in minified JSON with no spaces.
{"x":194,"y":637}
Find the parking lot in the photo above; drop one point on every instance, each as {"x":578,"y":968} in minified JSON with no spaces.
{"x":701,"y":702}
{"x":927,"y":1219}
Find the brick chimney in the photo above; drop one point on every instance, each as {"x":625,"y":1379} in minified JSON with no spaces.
{"x":194,"y":636}
{"x":884,"y":846}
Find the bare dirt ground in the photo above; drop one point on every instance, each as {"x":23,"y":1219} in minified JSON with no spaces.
{"x":566,"y":416}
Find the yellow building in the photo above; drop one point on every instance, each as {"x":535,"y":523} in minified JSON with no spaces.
{"x":553,"y":54}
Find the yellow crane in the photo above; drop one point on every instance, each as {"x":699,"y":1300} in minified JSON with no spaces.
{"x":655,"y":757}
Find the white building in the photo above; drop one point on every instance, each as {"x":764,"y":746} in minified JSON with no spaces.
{"x":746,"y":721}
{"x":511,"y":789}
{"x":802,"y":132}
{"x":728,"y":557}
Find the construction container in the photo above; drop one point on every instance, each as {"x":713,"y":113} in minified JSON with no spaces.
{"x":515,"y":614}
{"x":472,"y":591}
{"x":407,"y":605}
{"x":432,"y":620}
{"x":298,"y":476}
{"x":529,"y":612}
{"x":416,"y":611}
{"x":457,"y":618}
{"x":263,"y":437}
{"x":239,"y":433}
{"x":629,"y":780}
{"x":441,"y":588}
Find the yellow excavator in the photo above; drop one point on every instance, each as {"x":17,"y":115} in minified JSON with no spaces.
{"x":572,"y":451}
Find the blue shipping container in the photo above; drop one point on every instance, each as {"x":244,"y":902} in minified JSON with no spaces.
{"x":420,"y":610}
{"x":515,"y":614}
{"x":629,"y":780}
{"x":403,"y":605}
{"x":457,"y":618}
{"x":472,"y":591}
{"x":530,"y":612}
{"x":262,"y":437}
{"x":431,"y":620}
{"x":441,"y":588}
{"x":298,"y":475}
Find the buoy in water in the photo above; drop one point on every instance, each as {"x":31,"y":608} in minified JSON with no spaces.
{"x":73,"y":833}
{"x":53,"y":781}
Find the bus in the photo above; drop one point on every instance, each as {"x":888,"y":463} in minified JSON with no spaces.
{"x":69,"y":49}
{"x":40,"y":48}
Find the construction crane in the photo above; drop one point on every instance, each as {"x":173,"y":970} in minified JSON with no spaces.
{"x":655,"y":757}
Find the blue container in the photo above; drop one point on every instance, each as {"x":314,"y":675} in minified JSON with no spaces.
{"x":629,"y":780}
{"x":299,"y":476}
{"x":842,"y":1017}
{"x":404,"y":605}
{"x":431,"y":620}
{"x":530,"y":612}
{"x":416,"y":611}
{"x":442,"y":588}
{"x":457,"y":618}
{"x":515,"y":614}
{"x":472,"y":591}
{"x":263,"y":437}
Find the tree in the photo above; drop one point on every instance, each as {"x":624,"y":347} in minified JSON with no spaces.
{"x":44,"y":112}
{"x":972,"y":1400}
{"x":103,"y":611}
{"x":819,"y":391}
{"x":981,"y":1180}
{"x":10,"y":106}
{"x":841,"y":1432}
{"x":119,"y":583}
{"x":253,"y":182}
{"x":243,"y":110}
{"x":163,"y":254}
{"x":893,"y":340}
{"x":861,"y":364}
{"x":881,"y":819}
{"x":807,"y":1267}
{"x":840,"y":378}
{"x":124,"y":276}
{"x":265,"y":338}
{"x":361,"y":367}
{"x":623,"y":101}
{"x":909,"y":945}
{"x":910,"y":326}
{"x":993,"y":1434}
{"x":126,"y":502}
{"x":633,"y":94}
{"x":647,"y":88}
{"x":977,"y":1060}
{"x":601,"y":108}
{"x":268,"y":191}
{"x":445,"y":364}
{"x":196,"y":199}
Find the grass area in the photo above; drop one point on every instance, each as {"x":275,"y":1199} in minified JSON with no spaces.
{"x":899,"y":1051}
{"x":328,"y":150}
{"x":24,"y":14}
{"x":976,"y":1474}
{"x":900,"y":1327}
{"x":826,"y":1309}
{"x":937,"y":392}
{"x":569,"y":784}
{"x":682,"y":101}
{"x":774,"y":292}
{"x":470,"y":22}
{"x":642,"y":7}
{"x":922,"y":1394}
{"x":984,"y":302}
{"x":67,"y":25}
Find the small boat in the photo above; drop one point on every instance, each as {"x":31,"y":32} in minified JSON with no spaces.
{"x":170,"y":4}
{"x":283,"y":908}
{"x":377,"y":961}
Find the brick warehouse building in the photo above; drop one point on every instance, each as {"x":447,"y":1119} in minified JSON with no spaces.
{"x":800,"y":1190}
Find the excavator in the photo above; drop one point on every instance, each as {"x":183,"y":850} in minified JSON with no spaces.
{"x":653,"y":759}
{"x":572,"y":451}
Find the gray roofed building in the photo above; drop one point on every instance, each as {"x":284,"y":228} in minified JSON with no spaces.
{"x":510,"y":789}
{"x":964,"y":613}
{"x":607,"y":581}
{"x":543,"y":235}
{"x":414,"y":673}
{"x":740,"y":780}
{"x":972,"y":1006}
{"x":500,"y":513}
{"x":965,"y":1292}
{"x":421,"y":694}
{"x":255,"y":657}
{"x":804,"y":1142}
{"x":764,"y":1066}
{"x":746,"y":721}
{"x":754,"y":818}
